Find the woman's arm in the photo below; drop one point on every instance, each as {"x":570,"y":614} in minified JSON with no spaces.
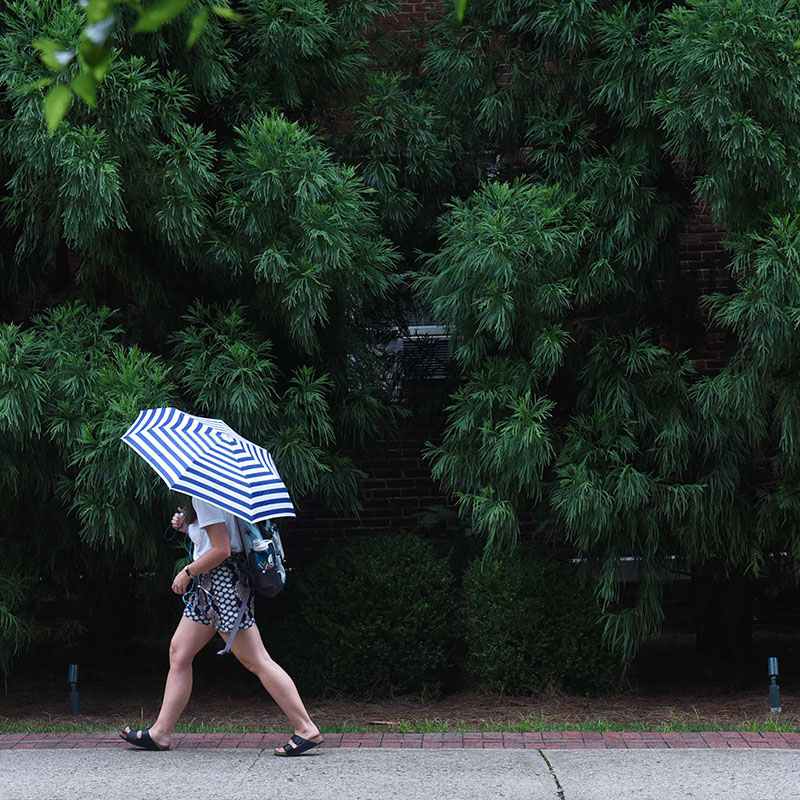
{"x":220,"y":550}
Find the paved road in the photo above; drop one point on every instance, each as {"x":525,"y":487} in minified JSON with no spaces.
{"x":402,"y":774}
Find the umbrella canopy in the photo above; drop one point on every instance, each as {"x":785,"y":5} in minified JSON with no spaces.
{"x":206,"y":459}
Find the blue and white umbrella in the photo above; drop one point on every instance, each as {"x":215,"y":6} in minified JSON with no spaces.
{"x":205,"y":458}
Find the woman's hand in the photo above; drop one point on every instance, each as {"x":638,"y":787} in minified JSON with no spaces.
{"x":177,"y":521}
{"x":180,"y":583}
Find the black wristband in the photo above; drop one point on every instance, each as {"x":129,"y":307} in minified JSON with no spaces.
{"x":186,"y":570}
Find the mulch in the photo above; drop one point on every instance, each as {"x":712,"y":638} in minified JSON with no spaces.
{"x":105,"y":706}
{"x":673,"y":686}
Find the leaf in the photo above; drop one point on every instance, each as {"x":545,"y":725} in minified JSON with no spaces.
{"x":40,"y":84}
{"x":226,"y":13}
{"x":47,"y":52}
{"x":461,"y":7}
{"x":85,"y":86}
{"x":158,"y":14}
{"x":99,"y":10}
{"x":198,"y":23}
{"x":95,"y":59}
{"x":56,"y":104}
{"x":64,"y":57}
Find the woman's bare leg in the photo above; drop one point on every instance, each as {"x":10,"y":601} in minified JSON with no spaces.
{"x":250,"y":651}
{"x":187,"y":641}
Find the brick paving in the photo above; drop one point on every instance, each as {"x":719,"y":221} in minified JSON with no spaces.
{"x":548,"y":740}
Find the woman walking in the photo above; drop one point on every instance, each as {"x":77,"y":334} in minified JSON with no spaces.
{"x":221,"y":586}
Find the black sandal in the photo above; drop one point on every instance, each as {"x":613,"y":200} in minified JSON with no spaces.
{"x":145,"y":741}
{"x":297,"y":745}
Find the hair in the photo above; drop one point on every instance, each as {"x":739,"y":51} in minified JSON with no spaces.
{"x":189,"y":514}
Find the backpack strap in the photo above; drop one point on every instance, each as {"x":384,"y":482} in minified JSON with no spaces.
{"x":240,"y":524}
{"x":237,"y":622}
{"x":243,"y":607}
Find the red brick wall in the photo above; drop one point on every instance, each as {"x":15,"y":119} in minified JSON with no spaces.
{"x":398,"y":486}
{"x":704,"y":265}
{"x":413,"y":14}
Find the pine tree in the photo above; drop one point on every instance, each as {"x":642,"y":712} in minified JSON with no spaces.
{"x":132,"y":235}
{"x":577,"y":401}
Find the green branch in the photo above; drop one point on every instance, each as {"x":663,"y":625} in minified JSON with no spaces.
{"x":93,"y":52}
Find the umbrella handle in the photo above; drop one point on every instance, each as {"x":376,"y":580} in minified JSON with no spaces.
{"x":169,"y":533}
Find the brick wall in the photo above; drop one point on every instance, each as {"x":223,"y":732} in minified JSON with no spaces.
{"x":411,"y":15}
{"x":398,"y":487}
{"x":704,"y":268}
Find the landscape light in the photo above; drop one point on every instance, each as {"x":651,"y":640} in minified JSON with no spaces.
{"x":774,"y":689}
{"x":74,"y":697}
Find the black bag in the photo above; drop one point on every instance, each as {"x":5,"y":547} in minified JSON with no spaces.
{"x":264,"y":567}
{"x":265,"y":560}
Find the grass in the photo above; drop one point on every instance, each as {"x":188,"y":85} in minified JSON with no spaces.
{"x":540,"y":724}
{"x":525,"y":724}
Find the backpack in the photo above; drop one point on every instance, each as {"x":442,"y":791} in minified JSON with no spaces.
{"x":264,"y":566}
{"x":265,"y":560}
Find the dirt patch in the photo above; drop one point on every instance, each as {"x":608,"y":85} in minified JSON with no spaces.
{"x":475,"y":707}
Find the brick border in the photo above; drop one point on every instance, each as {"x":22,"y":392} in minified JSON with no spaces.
{"x":555,"y":740}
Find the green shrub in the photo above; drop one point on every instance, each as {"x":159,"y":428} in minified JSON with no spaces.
{"x":383,"y":615}
{"x":531,"y":623}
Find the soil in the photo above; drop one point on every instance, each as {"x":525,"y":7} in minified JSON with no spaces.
{"x":671,"y":683}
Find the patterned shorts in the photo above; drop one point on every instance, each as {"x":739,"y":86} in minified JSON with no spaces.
{"x":219,"y":593}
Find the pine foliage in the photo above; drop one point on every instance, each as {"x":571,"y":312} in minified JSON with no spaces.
{"x":184,"y":192}
{"x":532,"y":166}
{"x":577,"y":403}
{"x":406,"y":149}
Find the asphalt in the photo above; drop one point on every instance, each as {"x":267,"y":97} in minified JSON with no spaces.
{"x":401,"y":774}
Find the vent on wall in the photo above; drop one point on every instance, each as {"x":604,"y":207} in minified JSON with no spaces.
{"x":424,"y":352}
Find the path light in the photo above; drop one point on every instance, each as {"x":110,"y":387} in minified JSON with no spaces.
{"x":774,"y":689}
{"x":74,"y":697}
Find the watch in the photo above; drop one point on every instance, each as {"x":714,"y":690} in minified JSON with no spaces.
{"x":186,"y":570}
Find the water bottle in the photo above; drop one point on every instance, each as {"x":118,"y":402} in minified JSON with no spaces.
{"x":261,"y":551}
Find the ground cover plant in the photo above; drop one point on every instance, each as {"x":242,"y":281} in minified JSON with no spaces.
{"x":678,"y":691}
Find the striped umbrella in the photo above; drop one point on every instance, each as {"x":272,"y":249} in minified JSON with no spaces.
{"x":205,"y":458}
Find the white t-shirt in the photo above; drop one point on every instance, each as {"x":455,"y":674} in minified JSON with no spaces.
{"x":208,"y":515}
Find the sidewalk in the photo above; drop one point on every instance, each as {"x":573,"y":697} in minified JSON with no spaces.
{"x":370,"y":766}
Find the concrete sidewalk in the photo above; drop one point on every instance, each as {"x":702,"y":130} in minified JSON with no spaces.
{"x":112,"y":771}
